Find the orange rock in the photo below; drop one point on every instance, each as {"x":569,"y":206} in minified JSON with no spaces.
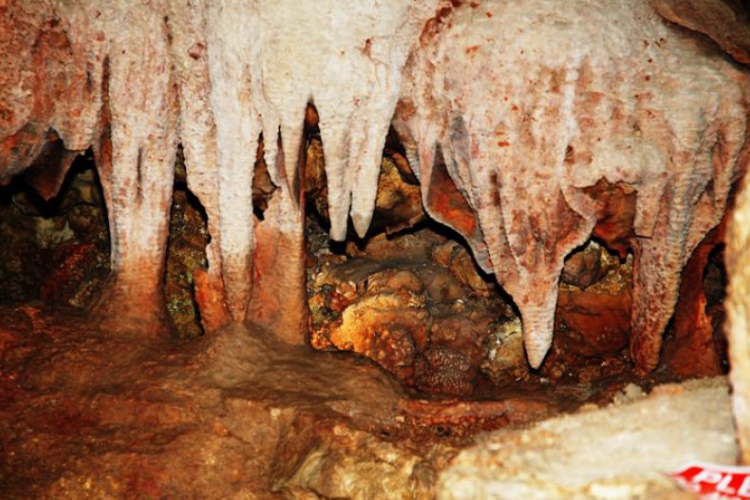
{"x":693,"y":350}
{"x":444,"y":370}
{"x":465,"y":270}
{"x":505,"y":359}
{"x":595,"y":322}
{"x":584,"y":268}
{"x":441,"y":254}
{"x":724,"y":21}
{"x":385,"y":328}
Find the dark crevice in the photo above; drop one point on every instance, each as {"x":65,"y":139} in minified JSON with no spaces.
{"x":186,"y":252}
{"x":263,"y":187}
{"x":715,"y":281}
{"x":54,"y":250}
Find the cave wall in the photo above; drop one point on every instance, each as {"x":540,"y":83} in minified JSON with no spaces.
{"x":529,"y":105}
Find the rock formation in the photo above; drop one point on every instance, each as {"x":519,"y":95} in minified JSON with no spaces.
{"x":133,"y":80}
{"x":531,"y":107}
{"x":531,"y":128}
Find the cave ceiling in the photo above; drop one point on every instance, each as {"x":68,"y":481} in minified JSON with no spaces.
{"x":529,"y":106}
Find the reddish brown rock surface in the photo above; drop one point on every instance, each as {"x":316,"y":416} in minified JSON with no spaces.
{"x":653,"y":111}
{"x":236,"y":415}
{"x":727,"y":22}
{"x":698,"y":345}
{"x":424,"y":322}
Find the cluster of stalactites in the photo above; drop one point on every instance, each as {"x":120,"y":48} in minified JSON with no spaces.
{"x":528,"y":103}
{"x":134,"y":79}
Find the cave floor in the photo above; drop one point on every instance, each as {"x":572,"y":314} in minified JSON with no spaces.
{"x":87,"y":413}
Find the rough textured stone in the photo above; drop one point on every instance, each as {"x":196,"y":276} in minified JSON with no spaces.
{"x":551,"y":125}
{"x":650,"y":108}
{"x":505,"y":353}
{"x":595,"y":321}
{"x":335,"y":470}
{"x":738,"y":313}
{"x":54,"y":250}
{"x":619,"y":452}
{"x":229,"y":416}
{"x":414,"y":318}
{"x":585,"y":267}
{"x":725,"y":21}
{"x":133,"y":80}
{"x":696,"y":347}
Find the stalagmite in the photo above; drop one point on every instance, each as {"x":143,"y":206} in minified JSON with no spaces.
{"x":531,"y":104}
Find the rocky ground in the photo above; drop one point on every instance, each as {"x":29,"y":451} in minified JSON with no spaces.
{"x":85,"y":414}
{"x":620,"y":452}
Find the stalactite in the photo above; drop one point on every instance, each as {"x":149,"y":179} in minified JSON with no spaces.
{"x":231,"y":36}
{"x":139,"y":115}
{"x":353,"y":78}
{"x":197,"y":131}
{"x":530,"y":124}
{"x":98,"y":82}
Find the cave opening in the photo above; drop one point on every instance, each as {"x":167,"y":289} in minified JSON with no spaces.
{"x":55,"y":246}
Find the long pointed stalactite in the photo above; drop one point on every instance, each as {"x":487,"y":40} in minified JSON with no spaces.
{"x":528,"y":105}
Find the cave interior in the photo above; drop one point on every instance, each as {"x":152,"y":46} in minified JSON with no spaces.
{"x":393,"y":250}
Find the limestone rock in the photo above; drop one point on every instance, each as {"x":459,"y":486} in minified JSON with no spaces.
{"x":465,"y":270}
{"x":619,"y":452}
{"x":595,"y":321}
{"x":529,"y":119}
{"x":357,"y":466}
{"x":585,"y":267}
{"x":725,"y":21}
{"x":526,"y":130}
{"x":444,"y":370}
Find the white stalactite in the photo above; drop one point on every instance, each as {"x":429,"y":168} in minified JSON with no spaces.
{"x":537,"y":102}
